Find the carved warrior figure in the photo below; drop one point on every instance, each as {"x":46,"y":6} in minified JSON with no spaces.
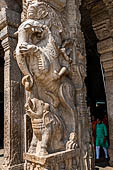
{"x":44,"y":62}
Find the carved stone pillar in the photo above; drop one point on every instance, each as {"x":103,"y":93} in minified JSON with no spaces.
{"x":13,"y":103}
{"x":103,"y":27}
{"x":51,"y":55}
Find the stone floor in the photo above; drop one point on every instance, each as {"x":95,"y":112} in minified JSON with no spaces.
{"x":100,"y":166}
{"x":103,"y":165}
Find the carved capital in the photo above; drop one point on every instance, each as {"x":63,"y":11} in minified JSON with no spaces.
{"x":104,"y":33}
{"x":9,"y":22}
{"x":105,"y":45}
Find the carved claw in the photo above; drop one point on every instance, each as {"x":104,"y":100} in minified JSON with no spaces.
{"x":27,"y":81}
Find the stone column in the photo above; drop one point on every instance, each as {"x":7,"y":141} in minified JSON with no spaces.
{"x":50,"y":44}
{"x":13,"y":113}
{"x":103,"y":28}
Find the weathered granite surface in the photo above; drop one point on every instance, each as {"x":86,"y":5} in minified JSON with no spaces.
{"x":56,"y":46}
{"x":50,"y":53}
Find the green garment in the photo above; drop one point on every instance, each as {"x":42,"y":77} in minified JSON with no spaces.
{"x":101,"y":133}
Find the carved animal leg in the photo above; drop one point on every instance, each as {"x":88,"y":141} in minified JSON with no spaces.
{"x":45,"y":140}
{"x":32,"y":148}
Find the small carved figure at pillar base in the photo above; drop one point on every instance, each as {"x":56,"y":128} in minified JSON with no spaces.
{"x":72,"y":143}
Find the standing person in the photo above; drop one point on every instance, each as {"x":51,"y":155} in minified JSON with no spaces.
{"x":101,"y":138}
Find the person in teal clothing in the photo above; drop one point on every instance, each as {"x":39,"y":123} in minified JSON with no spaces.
{"x":101,"y":138}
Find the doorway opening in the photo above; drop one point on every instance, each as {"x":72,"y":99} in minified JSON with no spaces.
{"x":1,"y":96}
{"x":95,"y":80}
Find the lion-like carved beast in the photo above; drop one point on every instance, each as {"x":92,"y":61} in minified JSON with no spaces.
{"x":47,"y":127}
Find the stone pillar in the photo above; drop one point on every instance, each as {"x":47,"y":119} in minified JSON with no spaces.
{"x":13,"y":113}
{"x":105,"y":48}
{"x":50,"y":53}
{"x":103,"y":27}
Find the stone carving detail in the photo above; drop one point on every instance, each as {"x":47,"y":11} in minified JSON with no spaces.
{"x":47,"y":127}
{"x":72,"y":143}
{"x":46,"y":56}
{"x":44,"y":62}
{"x":58,"y":161}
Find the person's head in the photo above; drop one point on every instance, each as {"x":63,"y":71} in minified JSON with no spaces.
{"x":99,"y":121}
